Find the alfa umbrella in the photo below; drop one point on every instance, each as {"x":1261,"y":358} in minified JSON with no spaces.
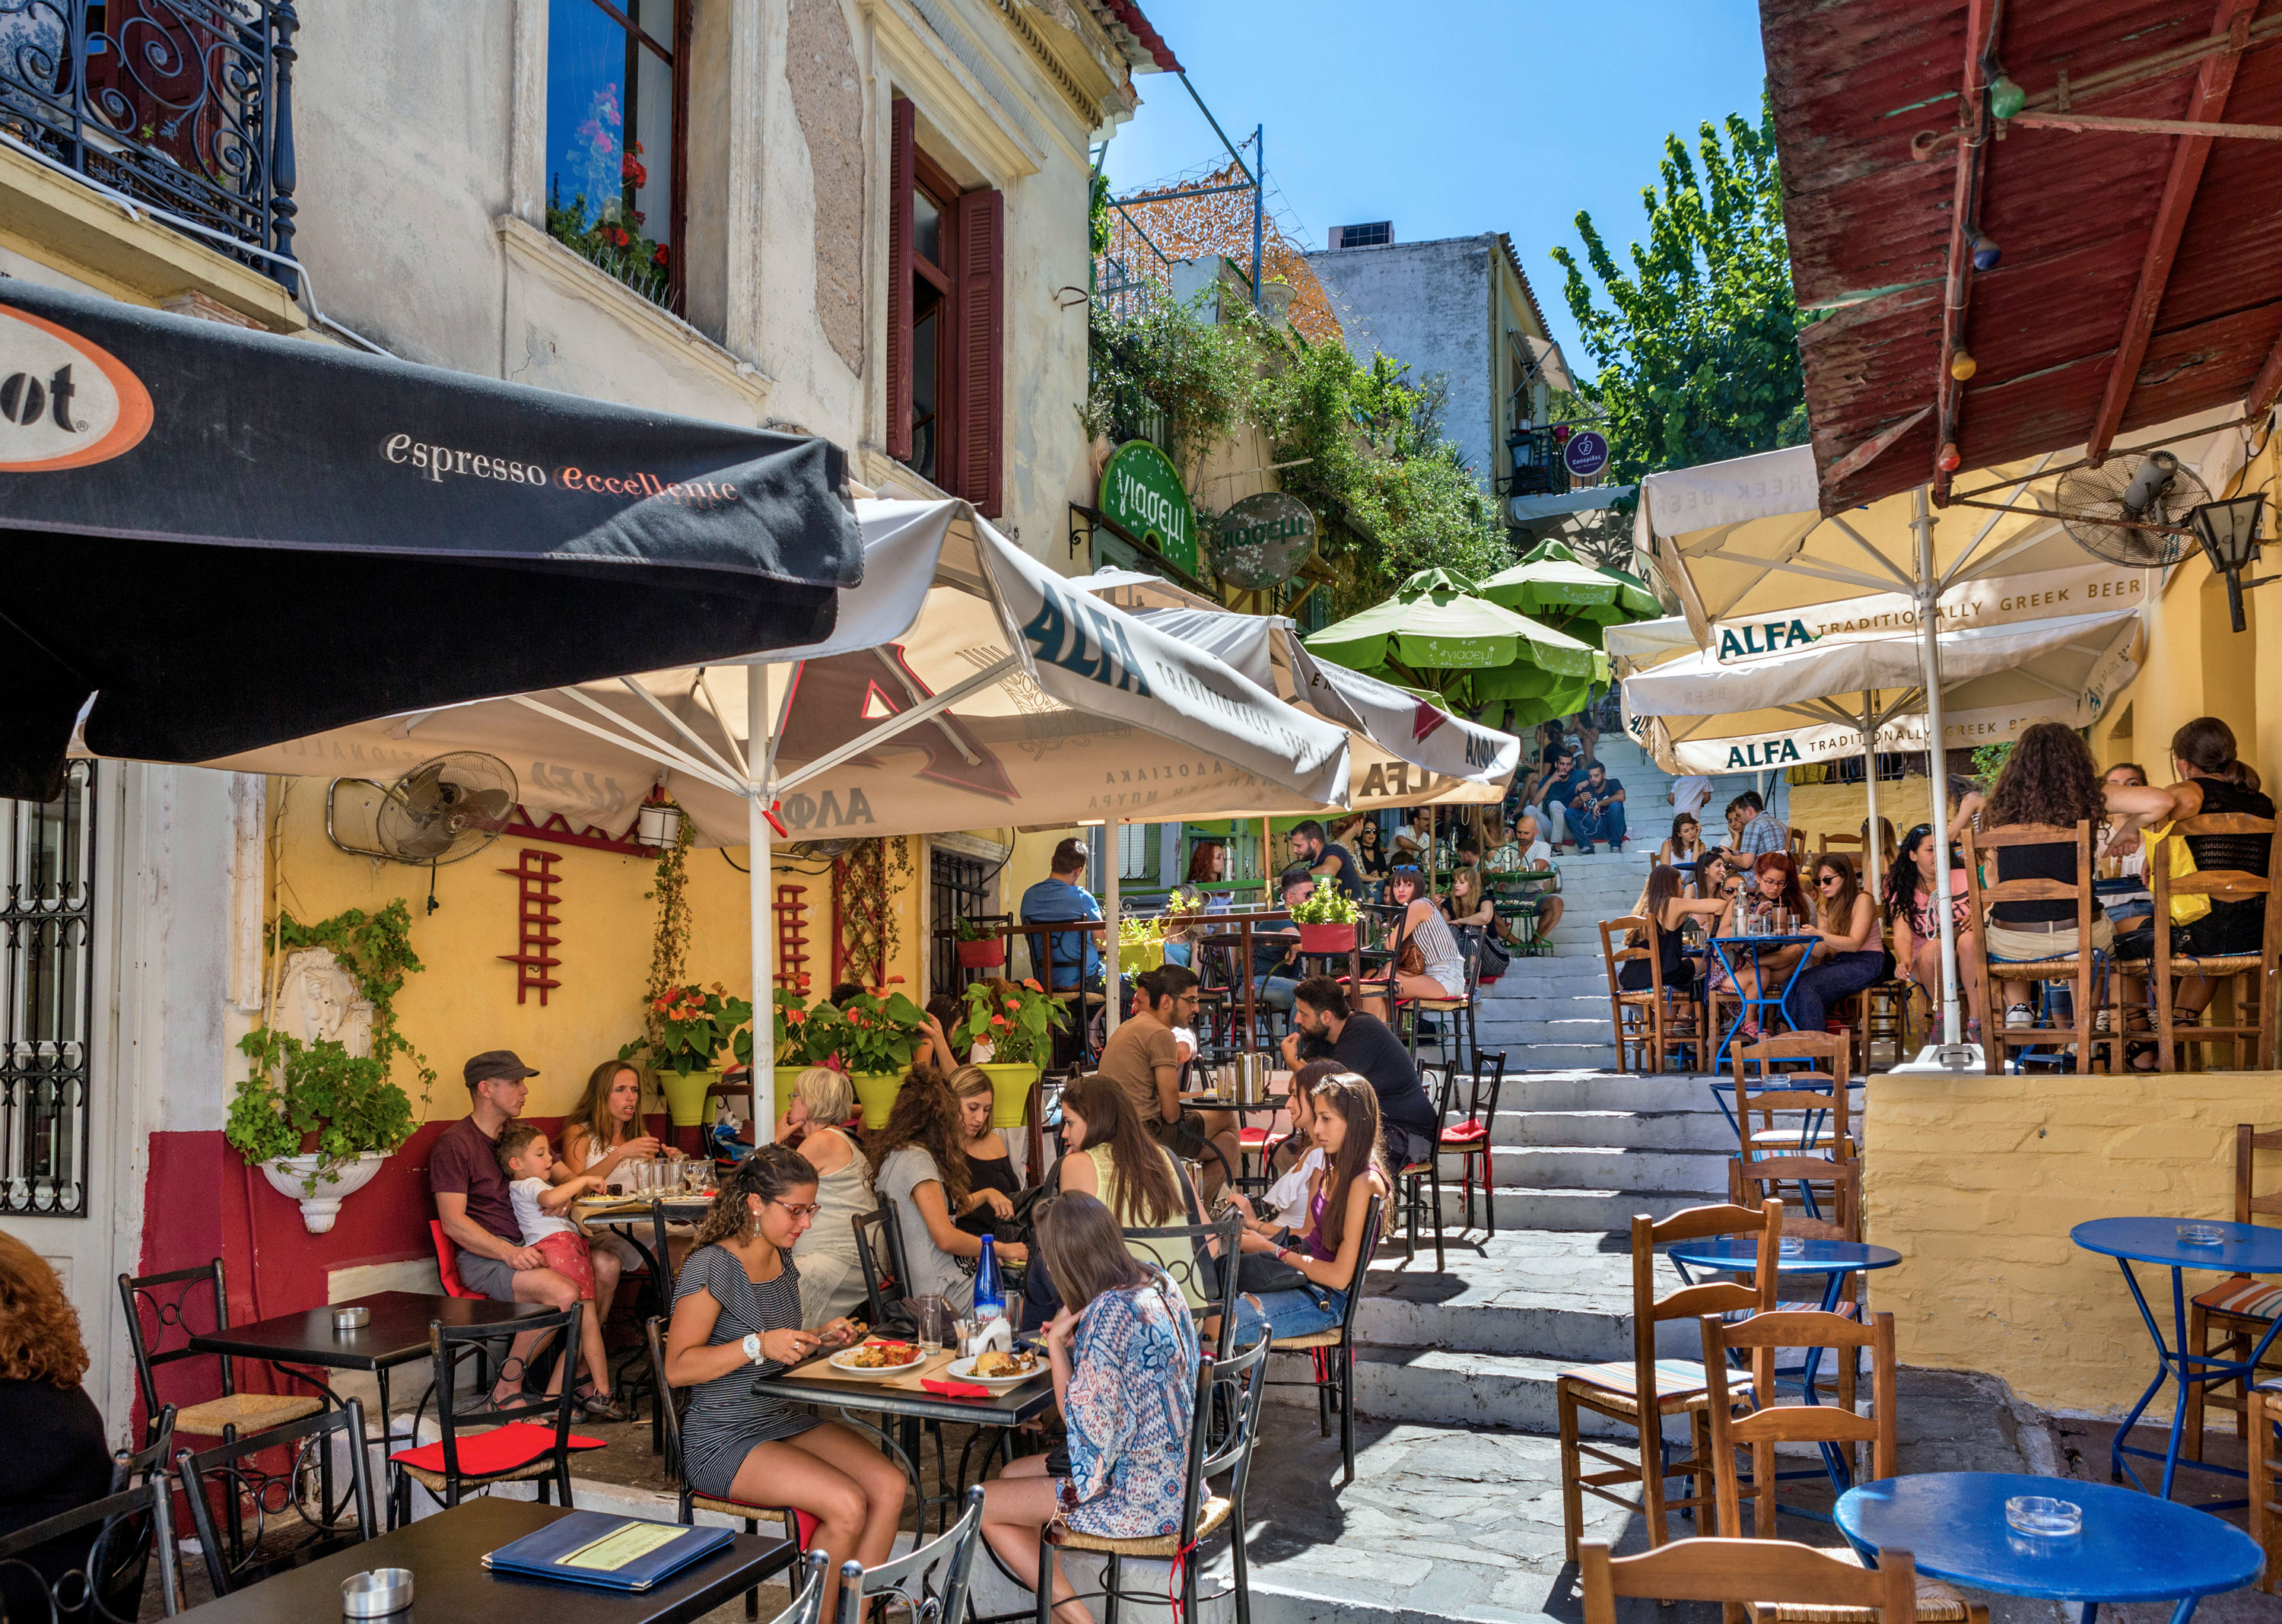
{"x":217,"y":540}
{"x":1437,"y":633}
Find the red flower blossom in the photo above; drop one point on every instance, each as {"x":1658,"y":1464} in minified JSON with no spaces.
{"x":659,"y":259}
{"x":998,"y":1020}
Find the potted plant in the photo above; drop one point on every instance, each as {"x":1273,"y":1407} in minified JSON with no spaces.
{"x":699,"y":1029}
{"x":804,"y":1038}
{"x":317,"y":1119}
{"x":1014,"y":1019}
{"x":1326,"y":920}
{"x":979,"y":947}
{"x":875,"y":1037}
{"x":1275,"y":295}
{"x":1140,"y":944}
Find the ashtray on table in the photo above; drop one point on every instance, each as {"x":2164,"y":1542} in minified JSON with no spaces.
{"x":2039,"y":1514}
{"x":2202,"y":1235}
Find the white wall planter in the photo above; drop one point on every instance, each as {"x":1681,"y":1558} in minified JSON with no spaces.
{"x":288,"y":1176}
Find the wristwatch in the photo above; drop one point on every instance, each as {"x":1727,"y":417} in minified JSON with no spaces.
{"x":752,"y":1347}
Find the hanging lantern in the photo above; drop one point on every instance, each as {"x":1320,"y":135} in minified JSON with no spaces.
{"x":1948,"y":462}
{"x":2006,"y":98}
{"x":1961,"y":365}
{"x":1985,"y":251}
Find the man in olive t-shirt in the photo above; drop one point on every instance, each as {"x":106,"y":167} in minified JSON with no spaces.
{"x":1142,"y":1058}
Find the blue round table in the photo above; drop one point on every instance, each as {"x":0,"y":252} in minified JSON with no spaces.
{"x":2247,"y":1249}
{"x":2134,"y":1548}
{"x":1758,"y":947}
{"x":1833,"y":1259}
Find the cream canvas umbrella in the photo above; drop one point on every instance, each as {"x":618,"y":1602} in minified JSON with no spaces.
{"x":965,"y":686}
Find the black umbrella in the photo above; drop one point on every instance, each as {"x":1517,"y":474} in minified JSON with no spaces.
{"x":231,"y":538}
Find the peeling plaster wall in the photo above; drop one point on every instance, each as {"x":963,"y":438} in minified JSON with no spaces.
{"x":828,"y":100}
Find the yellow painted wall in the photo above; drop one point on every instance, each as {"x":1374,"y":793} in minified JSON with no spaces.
{"x":1839,"y":809}
{"x":464,"y":1001}
{"x":1977,"y":1181}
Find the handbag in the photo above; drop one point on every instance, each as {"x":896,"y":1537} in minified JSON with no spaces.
{"x":2185,"y":910}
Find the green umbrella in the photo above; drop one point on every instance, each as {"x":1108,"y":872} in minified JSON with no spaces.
{"x":1435,"y":633}
{"x":1552,"y":580}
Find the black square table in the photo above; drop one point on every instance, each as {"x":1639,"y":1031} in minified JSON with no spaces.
{"x":397,"y":1333}
{"x":446,"y":1553}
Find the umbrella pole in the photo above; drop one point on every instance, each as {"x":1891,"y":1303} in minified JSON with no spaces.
{"x":1928,"y":592}
{"x":1870,"y":844}
{"x":1267,"y":864}
{"x":1113,"y":971}
{"x":756,"y":854}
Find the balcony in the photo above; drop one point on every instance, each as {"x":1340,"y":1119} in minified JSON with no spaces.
{"x":183,"y":106}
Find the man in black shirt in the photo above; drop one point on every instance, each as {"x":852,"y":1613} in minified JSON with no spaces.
{"x":1325,"y":858}
{"x":1362,"y":1044}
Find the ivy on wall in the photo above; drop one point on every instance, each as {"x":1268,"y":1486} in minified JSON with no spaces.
{"x":864,"y":881}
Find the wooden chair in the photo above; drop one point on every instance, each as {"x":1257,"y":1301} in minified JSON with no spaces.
{"x":1766,"y":1579}
{"x":2239,"y":1308}
{"x":1418,"y":1185}
{"x":1639,"y":1392}
{"x":2261,"y":1414}
{"x":797,"y":1528}
{"x":1837,"y":1216}
{"x":1821,"y":1098}
{"x":2253,"y":975}
{"x":1471,"y":1140}
{"x":1333,"y":1351}
{"x":1758,"y":1432}
{"x":2085,"y":965}
{"x":1654,"y":1033}
{"x":326,"y":1524}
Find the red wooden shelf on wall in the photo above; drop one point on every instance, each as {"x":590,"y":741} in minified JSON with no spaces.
{"x":557,"y":829}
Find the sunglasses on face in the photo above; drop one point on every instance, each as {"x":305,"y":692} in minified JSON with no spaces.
{"x":1826,"y":879}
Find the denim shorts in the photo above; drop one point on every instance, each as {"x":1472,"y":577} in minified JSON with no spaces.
{"x":1298,"y":1312}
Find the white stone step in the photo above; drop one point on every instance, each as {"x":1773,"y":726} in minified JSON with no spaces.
{"x":1703,"y":1129}
{"x":1572,"y":1209}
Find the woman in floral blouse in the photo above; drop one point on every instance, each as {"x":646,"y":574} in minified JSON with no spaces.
{"x":1124,"y":1355}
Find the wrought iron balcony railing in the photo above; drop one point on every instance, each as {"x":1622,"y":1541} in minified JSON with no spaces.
{"x":183,"y":104}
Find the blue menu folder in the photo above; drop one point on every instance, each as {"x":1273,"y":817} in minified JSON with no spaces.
{"x":597,"y":1548}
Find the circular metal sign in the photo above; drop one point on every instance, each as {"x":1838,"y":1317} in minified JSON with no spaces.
{"x":1262,"y":541}
{"x":1587,"y":454}
{"x":1142,"y":490}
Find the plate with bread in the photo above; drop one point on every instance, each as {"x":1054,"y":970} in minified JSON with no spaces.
{"x":999,"y":1372}
{"x":881,"y":1359}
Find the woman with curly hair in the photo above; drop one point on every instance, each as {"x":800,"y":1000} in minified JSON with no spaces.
{"x":54,"y":1435}
{"x":736,"y":1315}
{"x":2051,"y":779}
{"x":919,"y":1163}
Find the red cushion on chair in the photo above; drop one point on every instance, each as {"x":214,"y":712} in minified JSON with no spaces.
{"x":1252,"y":1138}
{"x":502,"y":1448}
{"x":1466,"y":1133}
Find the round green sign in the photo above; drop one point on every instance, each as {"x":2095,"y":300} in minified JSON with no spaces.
{"x":1142,"y":490}
{"x":1263,"y":540}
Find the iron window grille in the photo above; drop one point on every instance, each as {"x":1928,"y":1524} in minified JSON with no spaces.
{"x":961,"y":888}
{"x":46,"y":983}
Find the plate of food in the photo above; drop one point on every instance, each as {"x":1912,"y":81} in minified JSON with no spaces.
{"x":880,"y":1358}
{"x":999,"y":1372}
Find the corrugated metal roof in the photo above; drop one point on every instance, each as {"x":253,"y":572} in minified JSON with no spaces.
{"x":1853,"y":83}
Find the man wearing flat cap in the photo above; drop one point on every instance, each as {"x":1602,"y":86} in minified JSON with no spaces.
{"x":471,"y":1199}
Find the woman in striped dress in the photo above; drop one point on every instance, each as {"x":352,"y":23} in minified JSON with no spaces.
{"x":736,"y":1315}
{"x":1445,"y":974}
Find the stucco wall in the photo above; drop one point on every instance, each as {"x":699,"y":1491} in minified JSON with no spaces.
{"x":1427,"y":304}
{"x":1977,"y":1181}
{"x":1839,"y":809}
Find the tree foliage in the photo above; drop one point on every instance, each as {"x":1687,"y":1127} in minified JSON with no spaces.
{"x":1698,"y":347}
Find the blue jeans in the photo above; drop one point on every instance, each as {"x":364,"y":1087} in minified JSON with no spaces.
{"x":1820,"y":985}
{"x":1299,"y":1312}
{"x":1274,"y":991}
{"x":1608,"y":824}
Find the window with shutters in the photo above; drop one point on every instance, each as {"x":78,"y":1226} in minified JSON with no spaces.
{"x":617,"y":99}
{"x":945,"y":323}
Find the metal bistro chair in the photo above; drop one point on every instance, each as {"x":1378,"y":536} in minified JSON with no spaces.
{"x":1082,"y":1001}
{"x":2085,"y":965}
{"x":1186,"y":1254}
{"x":884,"y":1273}
{"x":1241,"y":1384}
{"x":798,"y":1527}
{"x":501,"y":1452}
{"x":130,"y":1527}
{"x":1333,"y":1351}
{"x":1418,"y":1186}
{"x":913,"y":1579}
{"x":808,"y":1595}
{"x":332,"y":1524}
{"x":1471,"y":1140}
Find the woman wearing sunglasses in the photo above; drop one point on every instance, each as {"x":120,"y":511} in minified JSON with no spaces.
{"x":736,"y":1315}
{"x":1850,"y":950}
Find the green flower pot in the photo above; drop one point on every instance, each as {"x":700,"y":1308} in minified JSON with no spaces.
{"x":1010,"y":1092}
{"x":786,"y":1077}
{"x":876,"y":1092}
{"x":685,"y":1095}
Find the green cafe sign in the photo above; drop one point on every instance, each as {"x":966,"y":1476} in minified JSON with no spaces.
{"x":1262,"y":541}
{"x":1142,"y":490}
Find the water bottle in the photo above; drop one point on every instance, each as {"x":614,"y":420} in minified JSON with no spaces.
{"x":988,"y":1298}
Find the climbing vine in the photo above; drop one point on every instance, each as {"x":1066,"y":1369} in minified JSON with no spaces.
{"x":863,"y":885}
{"x":669,"y":953}
{"x":317,"y":1097}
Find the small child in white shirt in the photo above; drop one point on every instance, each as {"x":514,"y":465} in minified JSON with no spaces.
{"x":542,"y":1212}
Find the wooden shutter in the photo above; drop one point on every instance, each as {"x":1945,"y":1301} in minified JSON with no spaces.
{"x":979,"y":467}
{"x":899,"y":279}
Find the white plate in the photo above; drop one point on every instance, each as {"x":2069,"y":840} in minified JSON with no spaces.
{"x":963,"y":1370}
{"x":921,"y":1356}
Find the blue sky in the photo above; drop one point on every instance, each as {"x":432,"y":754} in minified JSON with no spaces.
{"x":1449,"y":117}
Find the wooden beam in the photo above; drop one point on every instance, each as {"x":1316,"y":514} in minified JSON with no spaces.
{"x":2096,"y":124}
{"x":1870,"y":449}
{"x":2265,"y":387}
{"x":2213,"y":82}
{"x":1949,"y":394}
